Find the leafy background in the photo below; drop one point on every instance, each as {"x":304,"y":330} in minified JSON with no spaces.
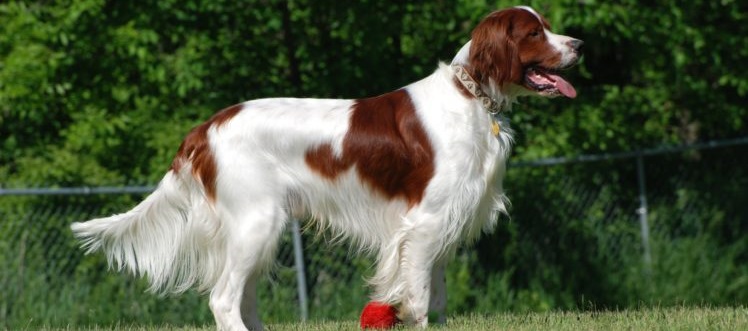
{"x":111,"y":87}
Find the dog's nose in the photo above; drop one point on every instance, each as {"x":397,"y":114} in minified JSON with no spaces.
{"x":575,"y":44}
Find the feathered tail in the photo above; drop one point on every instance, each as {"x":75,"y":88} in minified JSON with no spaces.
{"x":172,"y":237}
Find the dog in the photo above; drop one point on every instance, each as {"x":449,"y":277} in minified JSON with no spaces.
{"x":408,"y":176}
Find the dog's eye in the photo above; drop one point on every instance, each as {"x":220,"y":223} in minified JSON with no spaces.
{"x":534,"y":33}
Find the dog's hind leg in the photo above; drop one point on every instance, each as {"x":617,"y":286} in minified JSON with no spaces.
{"x":438,"y":299}
{"x":250,"y":315}
{"x":252,"y":228}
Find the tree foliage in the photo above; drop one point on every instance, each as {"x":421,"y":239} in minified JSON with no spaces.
{"x":103,"y":91}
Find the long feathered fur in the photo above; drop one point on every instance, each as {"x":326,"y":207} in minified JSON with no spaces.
{"x":172,"y":238}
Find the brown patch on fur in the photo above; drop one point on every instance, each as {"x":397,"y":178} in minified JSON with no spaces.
{"x":196,"y":149}
{"x":505,"y":43}
{"x":387,"y":144}
{"x":323,"y":160}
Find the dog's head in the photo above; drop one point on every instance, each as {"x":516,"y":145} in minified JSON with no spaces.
{"x":515,"y":48}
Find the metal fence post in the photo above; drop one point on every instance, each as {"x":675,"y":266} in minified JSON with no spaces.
{"x":642,"y":211}
{"x":298,"y":250}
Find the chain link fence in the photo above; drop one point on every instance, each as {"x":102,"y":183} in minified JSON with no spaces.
{"x":609,"y":228}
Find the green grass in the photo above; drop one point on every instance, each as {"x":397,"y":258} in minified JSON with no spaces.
{"x":678,"y":318}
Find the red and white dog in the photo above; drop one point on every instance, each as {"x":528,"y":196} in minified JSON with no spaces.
{"x":408,"y":175}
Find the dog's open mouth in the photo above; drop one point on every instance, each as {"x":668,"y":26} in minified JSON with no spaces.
{"x":547,"y":82}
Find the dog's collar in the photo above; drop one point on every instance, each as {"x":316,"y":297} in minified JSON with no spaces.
{"x":473,"y":87}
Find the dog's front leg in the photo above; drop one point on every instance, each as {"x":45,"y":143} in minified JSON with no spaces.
{"x":420,"y":251}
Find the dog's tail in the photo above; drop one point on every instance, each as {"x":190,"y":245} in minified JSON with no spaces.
{"x":172,"y":237}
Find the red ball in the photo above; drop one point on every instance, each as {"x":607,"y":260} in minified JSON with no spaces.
{"x":377,"y":315}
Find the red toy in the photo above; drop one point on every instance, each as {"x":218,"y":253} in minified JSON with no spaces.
{"x":377,"y":315}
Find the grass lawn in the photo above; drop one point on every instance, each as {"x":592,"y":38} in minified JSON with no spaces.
{"x":679,"y":318}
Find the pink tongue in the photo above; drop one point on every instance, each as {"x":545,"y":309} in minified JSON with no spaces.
{"x":564,"y":87}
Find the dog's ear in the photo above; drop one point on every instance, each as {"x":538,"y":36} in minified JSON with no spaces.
{"x":493,"y":52}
